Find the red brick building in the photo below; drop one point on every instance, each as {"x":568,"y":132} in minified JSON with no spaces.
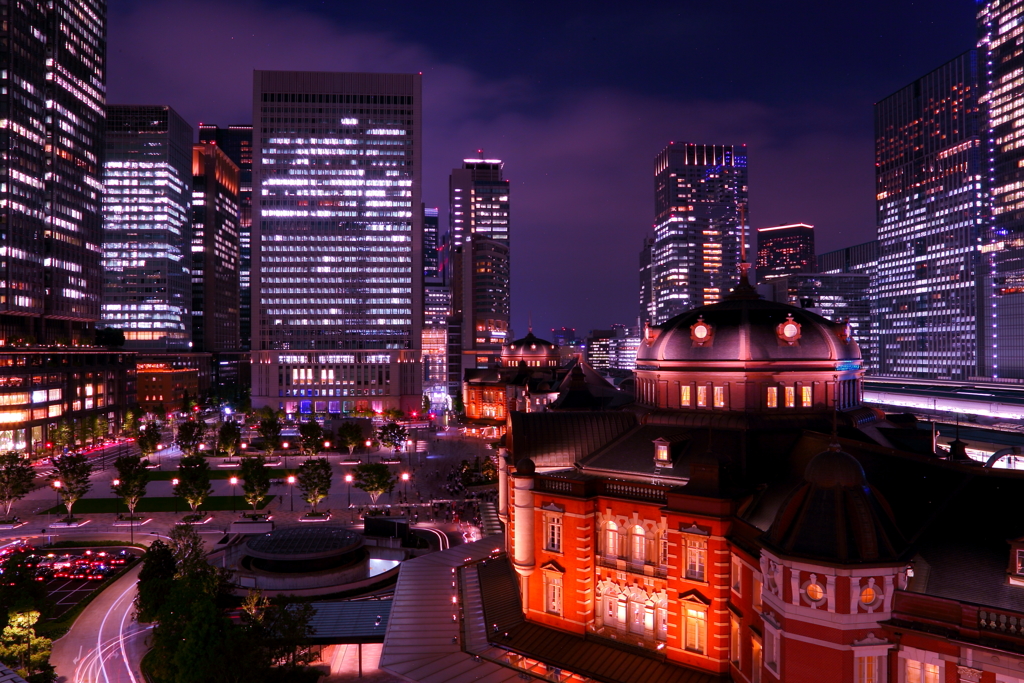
{"x":749,"y":520}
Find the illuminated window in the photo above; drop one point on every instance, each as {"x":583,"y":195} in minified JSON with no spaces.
{"x":638,"y":550}
{"x":921,"y":672}
{"x":696,"y":556}
{"x":755,"y":592}
{"x":702,"y":396}
{"x":737,"y":576}
{"x":684,"y":396}
{"x":554,"y":534}
{"x":773,"y":397}
{"x":553,"y":592}
{"x":719,"y":397}
{"x":756,"y":652}
{"x":661,"y":452}
{"x":734,"y":641}
{"x":790,"y":397}
{"x":611,"y":539}
{"x":696,"y":629}
{"x":805,"y":397}
{"x":866,"y":670}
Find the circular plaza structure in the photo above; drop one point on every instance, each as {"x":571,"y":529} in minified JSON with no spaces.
{"x":305,"y":549}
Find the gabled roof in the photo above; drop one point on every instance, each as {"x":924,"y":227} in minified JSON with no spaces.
{"x":561,"y":439}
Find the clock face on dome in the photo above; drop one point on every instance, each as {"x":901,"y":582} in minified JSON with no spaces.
{"x":788,"y":331}
{"x":701,"y":333}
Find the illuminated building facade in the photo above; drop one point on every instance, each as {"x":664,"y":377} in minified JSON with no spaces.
{"x":236,"y":142}
{"x":479,"y":263}
{"x":928,"y":150}
{"x":647,"y":308}
{"x":860,"y":259}
{"x":147,"y":217}
{"x":41,"y":388}
{"x":165,"y":380}
{"x":215,"y":249}
{"x":785,"y":249}
{"x":55,"y":74}
{"x":337,"y":272}
{"x":700,"y":195}
{"x":999,"y":51}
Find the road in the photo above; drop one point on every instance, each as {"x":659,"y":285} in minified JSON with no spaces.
{"x":106,"y":644}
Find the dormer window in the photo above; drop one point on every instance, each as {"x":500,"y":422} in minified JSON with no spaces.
{"x":662,"y":454}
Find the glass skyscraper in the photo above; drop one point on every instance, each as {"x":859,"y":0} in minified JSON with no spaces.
{"x":700,"y":195}
{"x":147,"y":216}
{"x":53,"y":100}
{"x":337,"y":272}
{"x":928,"y":153}
{"x":236,"y":142}
{"x":1000,"y":45}
{"x":215,"y":255}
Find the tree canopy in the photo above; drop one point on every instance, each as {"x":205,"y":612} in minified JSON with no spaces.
{"x":71,"y":477}
{"x":255,"y":480}
{"x":314,"y":480}
{"x":392,"y":435}
{"x":193,"y":481}
{"x":270,"y":431}
{"x":311,"y":438}
{"x":190,"y":435}
{"x":349,"y":435}
{"x":148,"y":439}
{"x":376,"y":479}
{"x":229,"y":438}
{"x":16,"y":477}
{"x":132,"y":478}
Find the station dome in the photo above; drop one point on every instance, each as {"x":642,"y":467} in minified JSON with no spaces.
{"x":531,"y":350}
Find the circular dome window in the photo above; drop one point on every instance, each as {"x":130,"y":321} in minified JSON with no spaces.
{"x":814,"y":592}
{"x":870,"y":596}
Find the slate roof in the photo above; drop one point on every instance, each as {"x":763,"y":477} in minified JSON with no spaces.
{"x":561,"y":439}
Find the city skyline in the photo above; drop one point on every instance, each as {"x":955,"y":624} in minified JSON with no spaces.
{"x":516,"y":112}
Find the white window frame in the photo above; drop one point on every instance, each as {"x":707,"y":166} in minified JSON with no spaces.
{"x":695,"y":616}
{"x":735,"y":644}
{"x":757,"y":659}
{"x":553,"y":593}
{"x":867,"y":668}
{"x":696,"y":549}
{"x":553,"y":533}
{"x":736,"y":576}
{"x":757,"y":588}
{"x":637,"y":544}
{"x":612,"y":541}
{"x":772,"y":648}
{"x":663,"y":549}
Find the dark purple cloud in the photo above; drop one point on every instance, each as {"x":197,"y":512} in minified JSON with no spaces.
{"x":579,"y":158}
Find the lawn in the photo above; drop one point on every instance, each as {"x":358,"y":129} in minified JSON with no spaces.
{"x":217,"y":473}
{"x":88,"y":506}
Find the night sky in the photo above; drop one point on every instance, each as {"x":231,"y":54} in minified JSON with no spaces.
{"x":577,"y":98}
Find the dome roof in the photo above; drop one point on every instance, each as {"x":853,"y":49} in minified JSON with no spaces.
{"x":835,"y":516}
{"x":746,"y":328}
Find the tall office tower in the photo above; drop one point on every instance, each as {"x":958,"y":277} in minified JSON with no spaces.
{"x":337,"y":273}
{"x":928,"y":154}
{"x":437,"y":304}
{"x":54,"y":67}
{"x":431,"y":244}
{"x":479,"y":262}
{"x":785,"y":249}
{"x":215,"y":251}
{"x":860,"y":258}
{"x":1000,"y":41}
{"x":647,"y":309}
{"x":236,"y":142}
{"x":147,"y":179}
{"x":700,"y":195}
{"x":837,"y":296}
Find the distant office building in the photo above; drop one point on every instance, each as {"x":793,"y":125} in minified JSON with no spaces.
{"x":337,"y":271}
{"x":165,"y":380}
{"x":613,"y":349}
{"x":700,"y":195}
{"x":999,"y":46}
{"x":215,"y":251}
{"x":53,"y":102}
{"x":479,"y":265}
{"x":648,"y":313}
{"x":431,"y":244}
{"x":836,"y":296}
{"x":785,"y":249}
{"x":236,"y":142}
{"x":599,"y":349}
{"x":623,"y":349}
{"x":147,"y":179}
{"x":563,"y":336}
{"x":860,"y":258}
{"x":928,"y":152}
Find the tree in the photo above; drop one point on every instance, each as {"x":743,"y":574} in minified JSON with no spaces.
{"x":193,"y":481}
{"x":458,"y":405}
{"x":62,"y":435}
{"x":155,"y":580}
{"x":132,"y":477}
{"x":394,"y":414}
{"x":16,"y":478}
{"x":72,"y":472}
{"x":130,"y":422}
{"x":425,"y":405}
{"x":190,"y":435}
{"x":314,"y":480}
{"x":392,"y":435}
{"x":19,"y":643}
{"x":349,"y":435}
{"x":149,"y":439}
{"x":270,"y":431}
{"x":187,"y":402}
{"x":99,"y":427}
{"x":229,"y":438}
{"x":255,"y":480}
{"x":110,"y":337}
{"x":311,"y":438}
{"x":376,"y":479}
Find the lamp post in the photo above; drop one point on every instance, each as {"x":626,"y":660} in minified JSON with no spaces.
{"x":327,"y":446}
{"x":284,"y":447}
{"x":405,"y":486}
{"x":115,"y":483}
{"x":174,"y":483}
{"x":234,"y":482}
{"x":291,"y":492}
{"x":369,"y":443}
{"x":348,"y":480}
{"x":56,"y":489}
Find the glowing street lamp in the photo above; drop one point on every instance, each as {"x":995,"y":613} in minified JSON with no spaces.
{"x":234,"y":482}
{"x":174,"y":483}
{"x":291,"y":492}
{"x":56,"y":489}
{"x":284,"y":446}
{"x":405,"y":484}
{"x":348,"y":480}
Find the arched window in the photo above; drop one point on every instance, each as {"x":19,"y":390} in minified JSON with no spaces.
{"x":611,"y":539}
{"x":636,"y":614}
{"x":638,"y":541}
{"x":661,"y":620}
